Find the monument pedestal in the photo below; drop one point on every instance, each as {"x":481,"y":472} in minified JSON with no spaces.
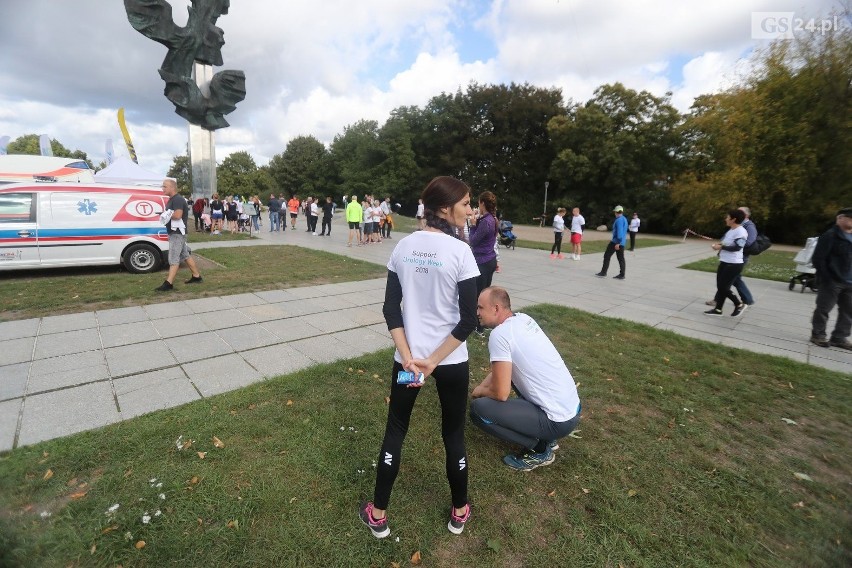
{"x":202,"y":149}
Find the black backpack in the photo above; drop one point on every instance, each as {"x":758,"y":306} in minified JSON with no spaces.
{"x":760,"y":244}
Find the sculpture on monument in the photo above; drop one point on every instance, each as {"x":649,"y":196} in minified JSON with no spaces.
{"x":200,"y":40}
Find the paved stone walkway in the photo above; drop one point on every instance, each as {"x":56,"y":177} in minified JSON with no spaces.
{"x":65,"y":374}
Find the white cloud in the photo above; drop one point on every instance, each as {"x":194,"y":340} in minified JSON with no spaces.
{"x":314,"y":67}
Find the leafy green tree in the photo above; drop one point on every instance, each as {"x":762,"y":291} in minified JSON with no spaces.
{"x":617,"y":148}
{"x":29,"y":144}
{"x":236,"y":175}
{"x":302,"y":167}
{"x":355,"y":157}
{"x":776,"y":142}
{"x":180,"y":170}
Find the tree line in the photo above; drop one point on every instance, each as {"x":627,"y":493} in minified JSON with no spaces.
{"x":778,"y":142}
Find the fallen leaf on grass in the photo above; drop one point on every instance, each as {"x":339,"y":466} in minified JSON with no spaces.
{"x":788,"y":421}
{"x":552,"y":493}
{"x":666,"y":359}
{"x":109,"y":529}
{"x":70,"y":482}
{"x":695,"y":373}
{"x":252,"y":406}
{"x":293,"y":499}
{"x":48,"y":474}
{"x":587,"y":491}
{"x":194,"y":480}
{"x":218,"y":443}
{"x":202,"y":455}
{"x":289,"y":403}
{"x":387,"y":400}
{"x":375,"y":376}
{"x":93,"y":549}
{"x":235,"y":524}
{"x":799,"y":505}
{"x":632,"y":492}
{"x":78,"y":495}
{"x":128,"y":473}
{"x":394,"y":564}
{"x":802,"y":476}
{"x":360,"y":371}
{"x":140,"y":544}
{"x":736,"y":373}
{"x":415,"y":558}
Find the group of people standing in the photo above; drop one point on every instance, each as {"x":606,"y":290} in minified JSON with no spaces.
{"x":235,"y":210}
{"x":438,"y":292}
{"x":376,"y":217}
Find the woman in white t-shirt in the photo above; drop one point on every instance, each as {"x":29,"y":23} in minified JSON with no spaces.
{"x":558,"y":231}
{"x":430,"y":309}
{"x":730,"y":263}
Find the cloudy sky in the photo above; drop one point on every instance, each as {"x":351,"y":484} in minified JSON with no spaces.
{"x":315,"y":66}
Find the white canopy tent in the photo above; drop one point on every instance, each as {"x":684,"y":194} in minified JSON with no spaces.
{"x":125,"y":171}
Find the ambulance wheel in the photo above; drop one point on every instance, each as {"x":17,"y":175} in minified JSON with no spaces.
{"x":142,"y":258}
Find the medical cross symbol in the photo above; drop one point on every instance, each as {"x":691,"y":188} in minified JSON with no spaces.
{"x":87,"y":207}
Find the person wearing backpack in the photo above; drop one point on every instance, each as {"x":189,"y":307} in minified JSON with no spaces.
{"x":832,"y":259}
{"x":739,"y":283}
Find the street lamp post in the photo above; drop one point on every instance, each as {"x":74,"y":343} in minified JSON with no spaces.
{"x":544,"y":212}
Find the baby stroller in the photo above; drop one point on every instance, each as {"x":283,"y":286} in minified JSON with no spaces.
{"x":806,"y":272}
{"x":507,"y":237}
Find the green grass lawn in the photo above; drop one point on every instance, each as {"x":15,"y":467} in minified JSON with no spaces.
{"x":769,"y":265}
{"x":688,"y":454}
{"x":590,"y":247}
{"x":37,"y":293}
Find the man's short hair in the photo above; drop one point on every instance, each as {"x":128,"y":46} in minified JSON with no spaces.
{"x":499,"y":296}
{"x":745,"y":210}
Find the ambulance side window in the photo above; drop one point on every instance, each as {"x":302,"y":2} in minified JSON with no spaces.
{"x":17,"y":208}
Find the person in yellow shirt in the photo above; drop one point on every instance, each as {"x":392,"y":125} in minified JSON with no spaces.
{"x":354,"y":213}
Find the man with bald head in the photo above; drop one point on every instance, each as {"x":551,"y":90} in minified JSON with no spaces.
{"x":176,"y":228}
{"x":523,"y":359}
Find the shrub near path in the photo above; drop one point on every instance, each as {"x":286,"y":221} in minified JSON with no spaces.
{"x":688,"y":454}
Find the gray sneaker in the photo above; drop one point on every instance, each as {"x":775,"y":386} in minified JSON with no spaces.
{"x":821,"y":341}
{"x":844,"y":344}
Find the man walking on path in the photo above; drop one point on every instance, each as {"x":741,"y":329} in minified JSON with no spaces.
{"x":616,"y":244}
{"x":176,"y":228}
{"x":832,"y":259}
{"x":524,"y":359}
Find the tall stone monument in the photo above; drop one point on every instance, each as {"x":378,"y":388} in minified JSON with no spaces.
{"x":199,"y":95}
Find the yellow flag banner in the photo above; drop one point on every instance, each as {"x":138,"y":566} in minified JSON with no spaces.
{"x":126,"y":135}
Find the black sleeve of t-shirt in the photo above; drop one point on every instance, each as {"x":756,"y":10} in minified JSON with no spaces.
{"x":392,"y":308}
{"x":467,"y":309}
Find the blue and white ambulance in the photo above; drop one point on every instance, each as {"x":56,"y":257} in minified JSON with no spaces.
{"x":54,"y":223}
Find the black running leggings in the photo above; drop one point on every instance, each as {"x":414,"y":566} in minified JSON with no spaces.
{"x":452,"y":384}
{"x":557,"y":243}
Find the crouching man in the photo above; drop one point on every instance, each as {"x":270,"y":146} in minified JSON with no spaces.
{"x":547,"y":406}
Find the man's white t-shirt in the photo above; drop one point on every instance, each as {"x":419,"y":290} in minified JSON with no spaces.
{"x":538,"y":371}
{"x":429,"y":266}
{"x":577,"y":223}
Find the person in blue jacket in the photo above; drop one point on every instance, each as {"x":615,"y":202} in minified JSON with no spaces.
{"x":616,"y":244}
